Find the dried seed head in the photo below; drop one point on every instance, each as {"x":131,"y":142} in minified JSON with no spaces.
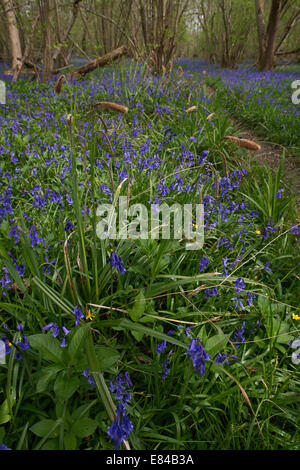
{"x":210,"y":116}
{"x":112,"y":106}
{"x":245,"y":143}
{"x":69,"y":119}
{"x":204,"y":72}
{"x":59,"y":84}
{"x":189,"y":99}
{"x":191,"y":109}
{"x":180,"y":69}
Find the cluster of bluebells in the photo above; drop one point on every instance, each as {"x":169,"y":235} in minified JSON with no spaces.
{"x":195,"y":350}
{"x":117,"y":262}
{"x":121,"y":427}
{"x":239,"y":286}
{"x":78,"y":314}
{"x":58,"y":332}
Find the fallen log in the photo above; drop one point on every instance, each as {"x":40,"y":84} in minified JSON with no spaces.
{"x":99,"y":62}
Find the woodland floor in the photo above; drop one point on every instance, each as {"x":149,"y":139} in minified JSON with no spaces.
{"x":270,"y":155}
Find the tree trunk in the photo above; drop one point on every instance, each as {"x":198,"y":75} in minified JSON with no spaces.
{"x":45,"y":17}
{"x":272,"y":32}
{"x":267,"y":38}
{"x":13,"y":31}
{"x":261,"y":29}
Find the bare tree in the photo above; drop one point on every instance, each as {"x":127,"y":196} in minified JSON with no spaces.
{"x":268,"y":33}
{"x":160,"y":21}
{"x":14,"y":37}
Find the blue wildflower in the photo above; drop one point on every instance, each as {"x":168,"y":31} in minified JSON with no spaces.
{"x":203,"y":264}
{"x":238,"y":338}
{"x":78,"y":314}
{"x":117,"y":262}
{"x":160,"y":347}
{"x":120,"y":427}
{"x":198,"y":355}
{"x":4,"y":447}
{"x":86,"y":374}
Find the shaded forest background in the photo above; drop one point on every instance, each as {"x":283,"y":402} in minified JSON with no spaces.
{"x":43,"y":36}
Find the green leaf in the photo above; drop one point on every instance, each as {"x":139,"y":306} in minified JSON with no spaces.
{"x":77,"y":340}
{"x":138,"y":307}
{"x":47,"y":346}
{"x":44,"y":427}
{"x":84,"y":427}
{"x":52,"y":444}
{"x":216,"y":343}
{"x":107,"y":357}
{"x":46,"y":375}
{"x":70,"y":441}
{"x":138,"y":335}
{"x":4,"y":413}
{"x":65,"y":387}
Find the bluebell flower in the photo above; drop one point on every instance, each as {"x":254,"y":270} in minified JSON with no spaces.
{"x":238,"y":335}
{"x":211,"y":292}
{"x":165,"y":364}
{"x":160,"y":347}
{"x":33,"y":235}
{"x":221,"y":358}
{"x":78,"y":314}
{"x":117,"y":262}
{"x":4,"y":447}
{"x":56,"y":330}
{"x":68,"y":226}
{"x":86,"y":374}
{"x":278,"y":194}
{"x":203,"y":264}
{"x":198,"y":355}
{"x":121,"y":427}
{"x":118,"y":387}
{"x":267,"y":266}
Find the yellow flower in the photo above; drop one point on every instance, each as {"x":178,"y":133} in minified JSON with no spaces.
{"x":295,"y":316}
{"x":89,"y":314}
{"x":258,"y":232}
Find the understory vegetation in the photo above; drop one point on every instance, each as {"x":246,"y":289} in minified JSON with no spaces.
{"x":190,"y":349}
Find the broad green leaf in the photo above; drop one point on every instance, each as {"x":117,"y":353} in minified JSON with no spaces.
{"x":47,"y":346}
{"x":77,"y":340}
{"x":138,"y":307}
{"x":4,"y":413}
{"x":216,"y":343}
{"x":138,"y":335}
{"x":107,"y":357}
{"x":65,"y":387}
{"x":47,"y":374}
{"x":44,"y":427}
{"x":84,"y":427}
{"x":70,"y":441}
{"x":51,"y":444}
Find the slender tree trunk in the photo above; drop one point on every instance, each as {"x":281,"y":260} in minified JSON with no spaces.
{"x":273,"y":29}
{"x":261,"y":29}
{"x":45,"y":19}
{"x":14,"y":37}
{"x":267,"y":38}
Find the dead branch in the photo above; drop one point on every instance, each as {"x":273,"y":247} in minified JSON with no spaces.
{"x":99,"y":62}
